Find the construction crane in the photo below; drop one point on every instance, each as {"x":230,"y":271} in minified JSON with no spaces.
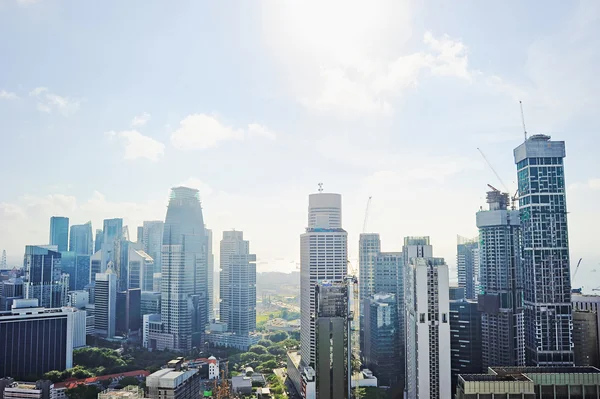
{"x":576,"y":270}
{"x":364,"y":229}
{"x":515,"y":197}
{"x":523,"y":119}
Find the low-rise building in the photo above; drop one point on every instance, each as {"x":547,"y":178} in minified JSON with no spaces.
{"x":279,"y":324}
{"x":174,"y":383}
{"x":209,"y":367}
{"x":303,"y":378}
{"x":241,"y":384}
{"x":130,"y":392}
{"x":9,"y":389}
{"x":231,"y":340}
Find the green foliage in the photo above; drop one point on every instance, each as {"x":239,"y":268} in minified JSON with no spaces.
{"x":248,"y":357}
{"x":290,"y":343}
{"x":278,"y":336}
{"x":54,"y":376}
{"x":277,"y":351}
{"x":125,"y":381}
{"x":258,"y":349}
{"x":94,"y":357}
{"x":295,"y":335}
{"x":267,"y":367}
{"x":266,"y":357}
{"x":265,"y":342}
{"x":83,"y":392}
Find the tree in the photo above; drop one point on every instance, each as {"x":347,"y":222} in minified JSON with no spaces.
{"x":248,"y":357}
{"x":278,"y":336}
{"x":290,"y":343}
{"x":268,"y":366}
{"x":83,"y":392}
{"x":276,"y":350}
{"x":54,"y":376}
{"x":266,"y":357}
{"x":125,"y":381}
{"x":258,"y":349}
{"x":265,"y":342}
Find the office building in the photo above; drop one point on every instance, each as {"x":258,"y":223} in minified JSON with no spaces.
{"x":81,"y":239}
{"x":501,"y":283}
{"x":545,"y":249}
{"x":174,"y":383}
{"x":140,"y":269}
{"x":333,"y":350}
{"x":428,"y":327}
{"x":10,"y":290}
{"x":152,"y":232}
{"x":150,"y":303}
{"x":465,"y":339}
{"x":79,"y":325}
{"x":585,"y":338}
{"x":369,"y":247}
{"x":383,"y":345}
{"x":105,"y":292}
{"x":586,"y":303}
{"x":9,"y":389}
{"x":77,"y":267}
{"x":59,"y":232}
{"x":467,"y":265}
{"x":531,"y":383}
{"x":210,"y":258}
{"x":323,"y":256}
{"x":99,"y":240}
{"x":78,"y":299}
{"x":42,"y":276}
{"x":113,"y":230}
{"x":96,"y":265}
{"x":128,"y":313}
{"x":35,"y":340}
{"x":457,"y":293}
{"x":184,"y":273}
{"x":238,"y":283}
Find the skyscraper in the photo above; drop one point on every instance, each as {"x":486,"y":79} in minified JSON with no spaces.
{"x":184,"y":272}
{"x":78,"y":268}
{"x":323,"y":256}
{"x":465,"y":339}
{"x":81,"y":239}
{"x":500,"y":280}
{"x":59,"y":232}
{"x":152,"y":232}
{"x":547,"y":280}
{"x":210,"y":257}
{"x":467,"y":264}
{"x":98,"y":240}
{"x":238,"y":283}
{"x":369,"y":246}
{"x":42,"y":276}
{"x":113,"y":229}
{"x":106,"y":303}
{"x":428,"y":328}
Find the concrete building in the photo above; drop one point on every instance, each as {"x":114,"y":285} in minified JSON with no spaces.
{"x":35,"y":340}
{"x":323,"y":256}
{"x":304,"y":379}
{"x":141,"y":270}
{"x":79,"y":326}
{"x":9,"y":389}
{"x":428,"y":326}
{"x":81,"y":239}
{"x":78,"y":299}
{"x":457,"y":293}
{"x":150,"y":324}
{"x":383,"y":345}
{"x":465,"y":339}
{"x":238,"y":283}
{"x":184,"y":303}
{"x":585,"y":338}
{"x":467,"y":265}
{"x":586,"y":303}
{"x":174,"y":383}
{"x":531,"y":383}
{"x":545,"y":251}
{"x":501,"y":283}
{"x":150,"y":303}
{"x":130,"y":392}
{"x":77,"y":267}
{"x":10,"y":290}
{"x":59,"y":233}
{"x":42,"y":275}
{"x":333,"y":351}
{"x":228,"y":339}
{"x":105,"y":314}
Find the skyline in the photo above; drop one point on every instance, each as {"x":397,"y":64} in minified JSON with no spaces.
{"x":151,"y":98}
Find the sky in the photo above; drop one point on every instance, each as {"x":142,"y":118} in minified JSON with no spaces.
{"x":104,"y":106}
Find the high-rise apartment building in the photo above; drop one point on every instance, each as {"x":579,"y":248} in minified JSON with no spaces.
{"x":465,"y":339}
{"x":105,"y":294}
{"x":238,"y":283}
{"x":43,"y":276}
{"x":501,"y":283}
{"x":59,"y":232}
{"x":233,"y":243}
{"x":35,"y":340}
{"x":333,"y":350}
{"x":184,"y":273}
{"x":323,"y":256}
{"x":467,"y":265}
{"x":428,"y":325}
{"x":547,"y":280}
{"x":81,"y":239}
{"x":383,"y":346}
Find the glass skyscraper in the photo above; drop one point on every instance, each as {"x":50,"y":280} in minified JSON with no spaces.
{"x":81,"y":239}
{"x":467,"y":265}
{"x":547,"y":283}
{"x":59,"y":232}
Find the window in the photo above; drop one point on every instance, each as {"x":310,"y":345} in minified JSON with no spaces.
{"x":422,"y":317}
{"x":444,"y":318}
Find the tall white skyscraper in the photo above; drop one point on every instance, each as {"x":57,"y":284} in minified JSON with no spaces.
{"x":238,"y":283}
{"x":106,"y":302}
{"x":323,"y":256}
{"x":428,"y":329}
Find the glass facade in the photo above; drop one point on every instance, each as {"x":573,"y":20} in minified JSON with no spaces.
{"x":59,"y":232}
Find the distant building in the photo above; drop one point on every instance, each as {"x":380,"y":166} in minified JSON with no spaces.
{"x":141,"y":270}
{"x":465,"y":339}
{"x":52,"y":348}
{"x":174,"y":383}
{"x":78,"y":299}
{"x":78,"y":268}
{"x":231,"y":340}
{"x":10,"y":290}
{"x":130,"y":392}
{"x":585,"y":338}
{"x":150,"y":324}
{"x":81,"y":239}
{"x":456,"y":293}
{"x":428,"y":326}
{"x":210,"y":258}
{"x":530,"y":383}
{"x":369,"y":247}
{"x":79,"y":326}
{"x":128,"y":313}
{"x":152,"y":232}
{"x":106,"y":303}
{"x":150,"y":303}
{"x":42,"y":276}
{"x":467,"y":264}
{"x":99,"y":240}
{"x":9,"y":389}
{"x":586,"y":303}
{"x":59,"y":232}
{"x":382,"y":339}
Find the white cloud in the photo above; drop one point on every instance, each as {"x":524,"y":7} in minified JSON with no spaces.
{"x":139,"y":146}
{"x":49,"y":102}
{"x":193,"y":182}
{"x":140,"y":120}
{"x":7,"y":95}
{"x":201,"y":131}
{"x":594,"y":184}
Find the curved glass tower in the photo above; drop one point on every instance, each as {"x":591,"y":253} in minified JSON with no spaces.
{"x":184,"y":308}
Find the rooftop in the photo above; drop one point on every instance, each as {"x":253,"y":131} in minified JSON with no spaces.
{"x":72,"y":383}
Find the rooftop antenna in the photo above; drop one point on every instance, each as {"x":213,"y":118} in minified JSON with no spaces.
{"x":523,"y":119}
{"x":320,"y":187}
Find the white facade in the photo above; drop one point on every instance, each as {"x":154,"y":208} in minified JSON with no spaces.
{"x":79,"y":325}
{"x":106,"y":303}
{"x":213,"y":368}
{"x":147,"y":319}
{"x":233,"y":243}
{"x":428,"y":329}
{"x":323,"y":256}
{"x":78,"y":299}
{"x":152,"y":236}
{"x":141,"y":269}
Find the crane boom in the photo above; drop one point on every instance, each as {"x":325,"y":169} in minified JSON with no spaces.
{"x":493,"y":170}
{"x":364,"y":230}
{"x":523,"y":119}
{"x":576,"y":269}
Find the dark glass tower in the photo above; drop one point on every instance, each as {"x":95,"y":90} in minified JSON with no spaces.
{"x":547,"y":283}
{"x":465,"y":339}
